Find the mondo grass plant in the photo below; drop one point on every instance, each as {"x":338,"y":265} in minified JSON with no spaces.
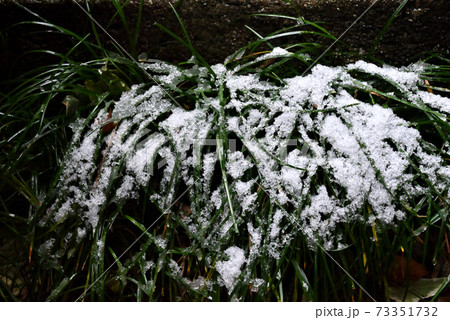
{"x":267,"y":178}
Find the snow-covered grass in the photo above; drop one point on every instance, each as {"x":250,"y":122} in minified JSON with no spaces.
{"x":247,"y":169}
{"x":247,"y":180}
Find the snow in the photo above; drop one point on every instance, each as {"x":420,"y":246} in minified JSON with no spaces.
{"x":230,"y":269}
{"x":244,"y":194}
{"x":47,"y":246}
{"x":148,"y":265}
{"x":291,"y":136}
{"x":256,"y":284}
{"x":141,"y":162}
{"x":100,"y":248}
{"x":237,"y":164}
{"x":216,"y":199}
{"x":435,"y":101}
{"x":200,"y":283}
{"x":209,"y":161}
{"x":407,"y":77}
{"x":255,"y":241}
{"x":275,"y":227}
{"x":175,"y":268}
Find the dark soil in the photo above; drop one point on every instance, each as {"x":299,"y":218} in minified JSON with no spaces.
{"x":217,"y":28}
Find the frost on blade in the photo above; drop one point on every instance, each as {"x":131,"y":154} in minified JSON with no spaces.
{"x":304,"y":158}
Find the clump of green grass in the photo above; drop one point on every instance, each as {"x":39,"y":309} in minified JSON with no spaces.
{"x":225,"y":182}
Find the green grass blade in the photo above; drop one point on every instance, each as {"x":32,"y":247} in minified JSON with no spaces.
{"x":386,"y":26}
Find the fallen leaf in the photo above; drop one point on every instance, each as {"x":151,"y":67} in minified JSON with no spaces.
{"x":400,"y":273}
{"x":417,"y":290}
